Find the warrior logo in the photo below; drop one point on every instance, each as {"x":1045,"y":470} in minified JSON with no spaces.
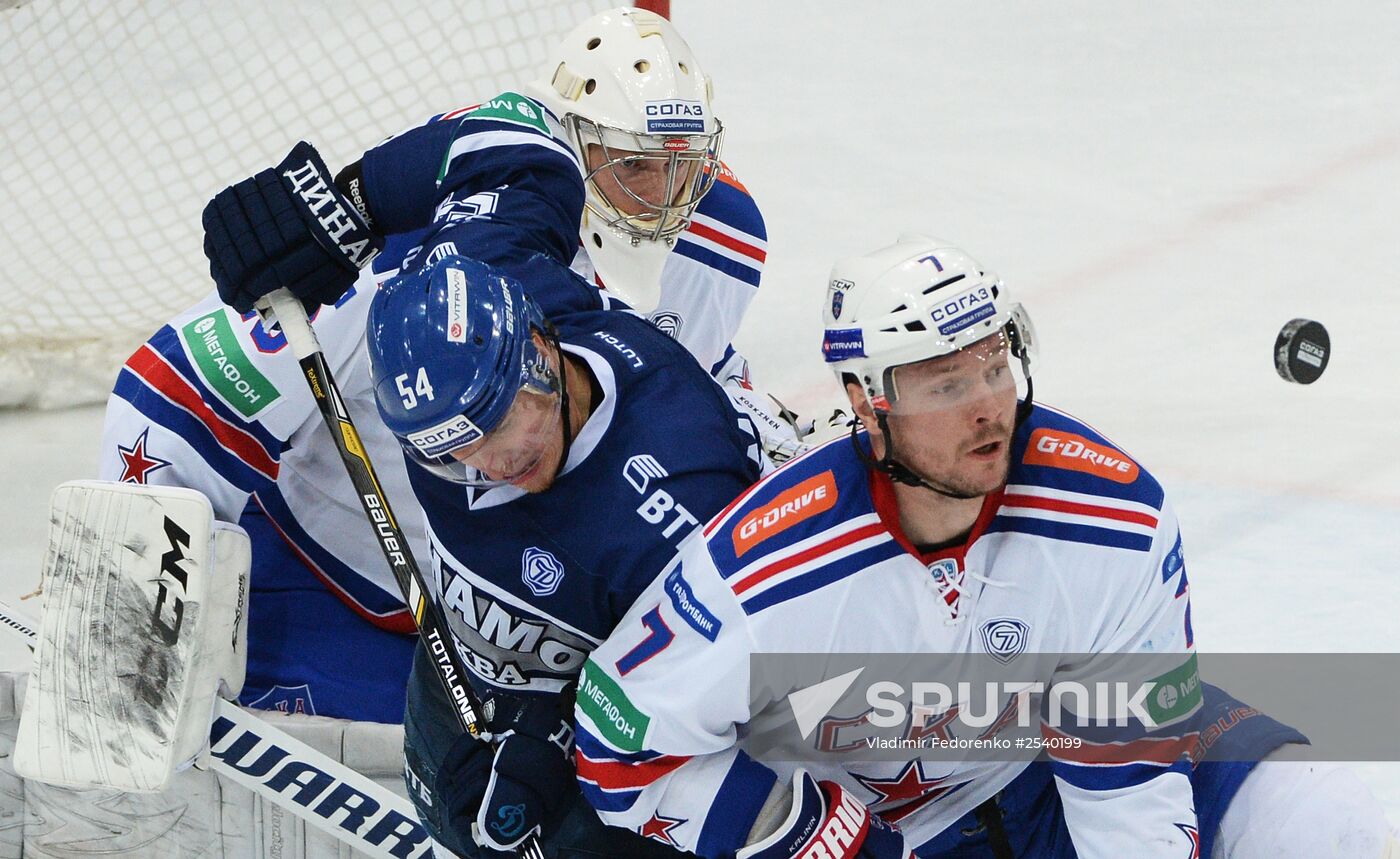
{"x":1005,"y":638}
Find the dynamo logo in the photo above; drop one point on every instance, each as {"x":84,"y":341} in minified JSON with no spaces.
{"x":541,"y":571}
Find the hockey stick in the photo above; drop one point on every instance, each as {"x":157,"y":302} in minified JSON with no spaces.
{"x":349,"y":807}
{"x":287,"y":311}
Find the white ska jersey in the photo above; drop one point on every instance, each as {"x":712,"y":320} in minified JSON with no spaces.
{"x":1078,"y":554}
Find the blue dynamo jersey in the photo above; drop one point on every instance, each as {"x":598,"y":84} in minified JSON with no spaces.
{"x":532,"y":583}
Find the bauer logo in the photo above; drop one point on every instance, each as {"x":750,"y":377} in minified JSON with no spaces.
{"x":229,"y":372}
{"x":679,"y":144}
{"x":541,"y":571}
{"x":691,"y":610}
{"x":1067,"y":450}
{"x":803,"y":501}
{"x":448,"y":435}
{"x":675,"y":116}
{"x":838,"y":344}
{"x":456,"y":306}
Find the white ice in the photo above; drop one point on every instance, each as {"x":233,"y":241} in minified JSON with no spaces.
{"x":1164,"y":184}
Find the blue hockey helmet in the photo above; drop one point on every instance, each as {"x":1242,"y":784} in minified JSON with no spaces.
{"x":450,"y":348}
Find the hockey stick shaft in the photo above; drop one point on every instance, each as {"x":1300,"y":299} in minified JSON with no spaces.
{"x":289,"y":314}
{"x":376,"y":822}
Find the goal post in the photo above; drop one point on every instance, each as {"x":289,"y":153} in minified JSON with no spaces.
{"x":121,"y":118}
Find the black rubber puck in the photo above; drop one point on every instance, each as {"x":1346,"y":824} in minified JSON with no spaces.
{"x":1301,"y":351}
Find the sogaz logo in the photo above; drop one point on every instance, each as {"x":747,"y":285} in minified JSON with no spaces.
{"x":675,"y":116}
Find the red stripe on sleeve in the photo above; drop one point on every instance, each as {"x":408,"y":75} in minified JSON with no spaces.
{"x":728,"y":241}
{"x":1079,"y":508}
{"x":147,"y":364}
{"x":611,"y":775}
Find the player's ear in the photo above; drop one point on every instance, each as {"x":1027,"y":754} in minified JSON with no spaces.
{"x":860,"y":404}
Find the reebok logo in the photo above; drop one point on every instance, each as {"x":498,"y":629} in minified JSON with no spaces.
{"x":1077,"y":453}
{"x":803,"y":501}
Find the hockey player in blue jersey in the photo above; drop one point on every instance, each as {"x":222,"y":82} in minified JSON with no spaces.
{"x":958,"y":518}
{"x":622,"y":440}
{"x":559,"y":460}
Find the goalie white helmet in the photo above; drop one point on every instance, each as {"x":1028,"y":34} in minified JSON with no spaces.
{"x":917,"y":299}
{"x":635,"y":105}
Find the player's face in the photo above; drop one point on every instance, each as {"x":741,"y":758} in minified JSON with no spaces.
{"x":952,"y":417}
{"x":638,"y":184}
{"x":525,"y":449}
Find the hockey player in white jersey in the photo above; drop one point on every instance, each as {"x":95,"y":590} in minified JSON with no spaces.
{"x":958,"y":519}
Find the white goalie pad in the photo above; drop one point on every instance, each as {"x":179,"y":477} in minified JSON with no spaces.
{"x":142,"y":627}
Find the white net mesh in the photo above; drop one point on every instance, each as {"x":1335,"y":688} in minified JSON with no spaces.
{"x":119,"y":119}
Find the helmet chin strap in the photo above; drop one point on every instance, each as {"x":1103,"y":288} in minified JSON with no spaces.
{"x":900,"y":473}
{"x":567,"y":432}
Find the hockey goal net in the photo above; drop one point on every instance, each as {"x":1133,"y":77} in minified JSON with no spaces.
{"x":120,"y":118}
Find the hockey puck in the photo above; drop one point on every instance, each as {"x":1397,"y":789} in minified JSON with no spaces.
{"x":1301,"y":351}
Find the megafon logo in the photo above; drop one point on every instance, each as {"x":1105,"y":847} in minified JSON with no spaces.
{"x":803,"y":501}
{"x":1077,"y":453}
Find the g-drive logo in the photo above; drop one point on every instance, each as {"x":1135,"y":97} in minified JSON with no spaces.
{"x":676,"y":116}
{"x":451,"y":433}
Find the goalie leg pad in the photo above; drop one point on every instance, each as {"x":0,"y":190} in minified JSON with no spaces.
{"x":142,"y":624}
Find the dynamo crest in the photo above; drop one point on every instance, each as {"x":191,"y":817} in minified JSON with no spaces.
{"x":1005,"y":638}
{"x":540,"y":571}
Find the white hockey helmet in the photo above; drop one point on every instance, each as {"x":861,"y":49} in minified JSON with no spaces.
{"x":917,"y":299}
{"x":625,"y":83}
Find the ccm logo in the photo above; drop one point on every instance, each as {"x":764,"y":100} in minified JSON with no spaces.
{"x":803,"y":501}
{"x":170,"y":566}
{"x":1077,"y":453}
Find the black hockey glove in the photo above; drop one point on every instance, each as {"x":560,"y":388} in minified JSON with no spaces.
{"x":286,"y":226}
{"x":526,"y":786}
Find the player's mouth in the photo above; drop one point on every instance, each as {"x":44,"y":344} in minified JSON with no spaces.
{"x":989,"y":451}
{"x":528,"y":474}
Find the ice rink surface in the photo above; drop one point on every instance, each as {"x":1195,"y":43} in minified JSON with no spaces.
{"x":1164,"y":185}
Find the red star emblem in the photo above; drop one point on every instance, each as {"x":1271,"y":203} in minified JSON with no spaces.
{"x":898,"y":797}
{"x":659,"y":827}
{"x":1195,"y":836}
{"x":136,"y":463}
